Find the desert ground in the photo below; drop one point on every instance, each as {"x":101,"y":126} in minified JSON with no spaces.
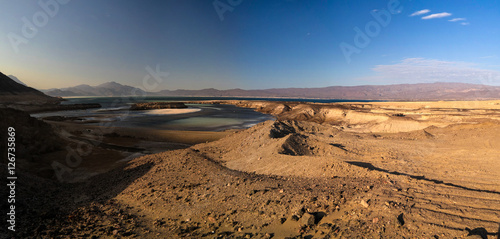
{"x":343,"y":170}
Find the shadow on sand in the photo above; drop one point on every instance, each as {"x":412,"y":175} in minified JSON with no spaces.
{"x":372,"y":167}
{"x":482,"y":232}
{"x":47,"y":208}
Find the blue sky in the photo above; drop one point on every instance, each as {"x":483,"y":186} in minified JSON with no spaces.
{"x":250,"y":44}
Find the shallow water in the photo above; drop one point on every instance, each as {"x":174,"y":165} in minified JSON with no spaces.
{"x":206,"y":118}
{"x":198,"y":117}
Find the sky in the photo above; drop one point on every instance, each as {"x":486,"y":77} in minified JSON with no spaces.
{"x":249,"y":44}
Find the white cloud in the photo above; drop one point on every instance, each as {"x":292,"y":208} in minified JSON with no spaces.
{"x":486,"y":57}
{"x":421,"y":70}
{"x":457,"y":19}
{"x":437,"y":15}
{"x":424,"y":11}
{"x":465,"y":23}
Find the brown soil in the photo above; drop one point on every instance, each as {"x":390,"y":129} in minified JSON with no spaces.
{"x":378,"y":170}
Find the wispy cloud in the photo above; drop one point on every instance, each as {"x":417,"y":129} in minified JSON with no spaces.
{"x":486,"y":57}
{"x":437,"y":15}
{"x":421,"y":70}
{"x":421,"y":12}
{"x":457,"y":19}
{"x":465,"y":23}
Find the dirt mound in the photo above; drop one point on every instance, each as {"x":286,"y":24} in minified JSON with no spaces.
{"x":186,"y":194}
{"x":281,"y":129}
{"x":296,"y":144}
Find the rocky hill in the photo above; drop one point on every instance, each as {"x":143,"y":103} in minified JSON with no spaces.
{"x":13,"y":92}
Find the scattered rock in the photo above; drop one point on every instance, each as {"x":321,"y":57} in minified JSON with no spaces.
{"x":268,"y":235}
{"x":211,"y":219}
{"x":294,"y":218}
{"x":401,"y":219}
{"x":307,"y":220}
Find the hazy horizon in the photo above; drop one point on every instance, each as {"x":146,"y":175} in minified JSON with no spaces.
{"x":198,"y":89}
{"x":249,"y":44}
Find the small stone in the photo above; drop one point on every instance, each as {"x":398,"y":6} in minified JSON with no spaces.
{"x":364,"y":203}
{"x":401,"y":219}
{"x":375,"y":220}
{"x":300,"y":211}
{"x":307,"y":219}
{"x":115,"y":232}
{"x":211,"y":219}
{"x":326,"y":225}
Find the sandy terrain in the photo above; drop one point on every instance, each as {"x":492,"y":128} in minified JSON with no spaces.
{"x":351,"y":170}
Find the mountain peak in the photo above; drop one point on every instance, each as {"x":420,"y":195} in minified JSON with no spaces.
{"x":111,"y":88}
{"x":110,"y":84}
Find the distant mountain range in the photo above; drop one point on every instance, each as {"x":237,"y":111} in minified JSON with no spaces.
{"x":424,"y":91}
{"x":106,"y":89}
{"x":14,"y":92}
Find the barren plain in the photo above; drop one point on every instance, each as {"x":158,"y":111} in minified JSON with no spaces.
{"x":344,"y":170}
